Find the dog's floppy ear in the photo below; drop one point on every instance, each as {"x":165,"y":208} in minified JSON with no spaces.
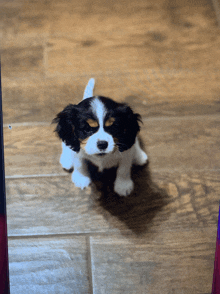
{"x":66,"y":121}
{"x":130,"y":124}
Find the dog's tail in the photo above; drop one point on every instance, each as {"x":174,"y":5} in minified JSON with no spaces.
{"x":89,"y":89}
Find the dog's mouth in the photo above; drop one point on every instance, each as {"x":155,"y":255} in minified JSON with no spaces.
{"x":101,"y":154}
{"x":105,"y":153}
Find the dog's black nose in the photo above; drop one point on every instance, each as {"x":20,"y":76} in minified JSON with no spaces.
{"x":102,"y":145}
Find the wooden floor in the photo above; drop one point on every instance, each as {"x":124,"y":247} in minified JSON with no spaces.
{"x":163,"y":58}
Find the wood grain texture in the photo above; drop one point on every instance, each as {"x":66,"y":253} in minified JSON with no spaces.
{"x":161,"y":57}
{"x":180,"y":143}
{"x":170,"y":262}
{"x":54,"y":206}
{"x":48,"y":265}
{"x":156,"y":92}
{"x":51,"y":206}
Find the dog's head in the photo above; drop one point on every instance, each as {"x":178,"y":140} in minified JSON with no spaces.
{"x":99,"y":125}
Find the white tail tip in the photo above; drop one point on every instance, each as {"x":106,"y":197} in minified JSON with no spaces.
{"x":89,"y":89}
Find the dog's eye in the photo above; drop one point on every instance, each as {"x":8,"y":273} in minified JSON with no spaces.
{"x":89,"y":126}
{"x":92,"y":123}
{"x":110,"y":122}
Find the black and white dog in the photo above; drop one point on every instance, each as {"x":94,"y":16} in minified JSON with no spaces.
{"x":103,"y":132}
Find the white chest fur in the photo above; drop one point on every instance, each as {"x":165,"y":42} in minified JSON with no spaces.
{"x":124,"y":160}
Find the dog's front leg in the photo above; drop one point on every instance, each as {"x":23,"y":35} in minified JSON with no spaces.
{"x":66,"y":158}
{"x":123,"y":184}
{"x":80,"y":176}
{"x":70,"y":159}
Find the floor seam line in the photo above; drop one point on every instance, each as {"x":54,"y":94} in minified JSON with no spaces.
{"x":89,"y":259}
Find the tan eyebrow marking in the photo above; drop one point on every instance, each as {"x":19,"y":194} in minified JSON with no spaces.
{"x":92,"y":123}
{"x":109,"y":122}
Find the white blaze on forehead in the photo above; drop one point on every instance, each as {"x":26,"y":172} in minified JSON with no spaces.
{"x":91,"y":148}
{"x":99,"y":110}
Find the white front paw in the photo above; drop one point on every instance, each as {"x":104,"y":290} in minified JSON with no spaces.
{"x":66,"y":162}
{"x":80,"y":180}
{"x":123,"y":187}
{"x":141,"y":158}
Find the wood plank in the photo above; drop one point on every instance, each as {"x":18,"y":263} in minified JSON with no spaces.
{"x":180,"y":143}
{"x":154,"y":92}
{"x":44,"y":206}
{"x":138,"y":37}
{"x":48,"y":265}
{"x":170,"y":262}
{"x":23,"y":18}
{"x":162,"y":55}
{"x":28,"y":61}
{"x":188,"y":143}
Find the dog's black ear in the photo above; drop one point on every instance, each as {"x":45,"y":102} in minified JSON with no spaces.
{"x":130,"y":124}
{"x":66,"y":121}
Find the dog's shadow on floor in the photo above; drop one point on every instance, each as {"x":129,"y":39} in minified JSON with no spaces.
{"x":138,"y":209}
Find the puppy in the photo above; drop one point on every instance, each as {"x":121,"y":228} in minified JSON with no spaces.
{"x":103,"y":132}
